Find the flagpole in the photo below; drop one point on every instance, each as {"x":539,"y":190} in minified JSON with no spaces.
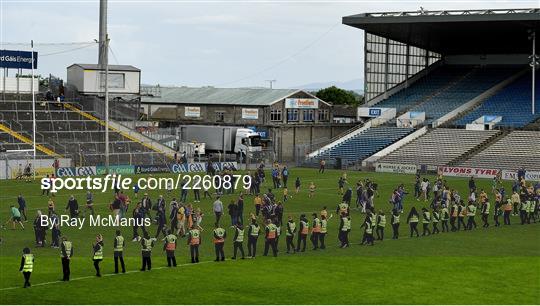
{"x":33,"y":112}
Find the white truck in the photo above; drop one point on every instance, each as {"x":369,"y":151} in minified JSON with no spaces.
{"x":228,"y":139}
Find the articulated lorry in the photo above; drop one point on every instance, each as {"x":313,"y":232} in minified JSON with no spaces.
{"x":228,"y":139}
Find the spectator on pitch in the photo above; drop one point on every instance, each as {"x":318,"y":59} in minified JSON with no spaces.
{"x":347,"y":196}
{"x":322,"y":164}
{"x":139,"y":216}
{"x":46,"y":191}
{"x":146,"y":206}
{"x":233,"y":212}
{"x":240,"y":208}
{"x":89,"y":203}
{"x":285,"y":175}
{"x":73,"y":207}
{"x":50,"y":206}
{"x":28,"y":172}
{"x":217,"y":207}
{"x":22,"y":207}
{"x":311,"y":190}
{"x":55,"y":231}
{"x":39,"y":230}
{"x":15,"y":217}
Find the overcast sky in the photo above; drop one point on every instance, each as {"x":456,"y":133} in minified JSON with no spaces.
{"x":194,"y":43}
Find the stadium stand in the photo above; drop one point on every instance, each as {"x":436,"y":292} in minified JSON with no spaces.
{"x":513,"y":104}
{"x":447,"y":88}
{"x":438,"y":147}
{"x":70,"y":134}
{"x":364,"y":144}
{"x":511,"y":152}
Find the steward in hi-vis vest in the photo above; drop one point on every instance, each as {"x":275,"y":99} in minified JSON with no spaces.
{"x":98,"y":253}
{"x":119,"y":243}
{"x":381,"y":224}
{"x":315,"y":231}
{"x":303,"y":232}
{"x":395,"y":223}
{"x":146,"y":252}
{"x":27,"y":266}
{"x":289,"y":236}
{"x":436,"y":217}
{"x":253,"y":235}
{"x":324,"y":230}
{"x":194,"y":240}
{"x":426,"y":221}
{"x":471,"y":213}
{"x":344,"y":229}
{"x":238,"y":240}
{"x":66,"y":252}
{"x":271,"y":236}
{"x":219,"y":241}
{"x":169,"y":247}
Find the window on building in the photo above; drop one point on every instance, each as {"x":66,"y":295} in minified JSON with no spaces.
{"x":220,"y":116}
{"x":309,"y":115}
{"x":324,"y":115}
{"x":275,"y":115}
{"x":292,"y":114}
{"x":115,"y":80}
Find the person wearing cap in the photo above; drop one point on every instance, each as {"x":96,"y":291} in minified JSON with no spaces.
{"x":27,"y":266}
{"x":66,"y":252}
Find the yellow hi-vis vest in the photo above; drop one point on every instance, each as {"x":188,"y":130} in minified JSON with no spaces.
{"x":240,"y":235}
{"x":395,"y":219}
{"x":316,"y":226}
{"x":348,"y":224}
{"x":382,"y":221}
{"x":147,"y":245}
{"x":255,"y":230}
{"x":272,"y":229}
{"x":291,"y":227}
{"x":324,"y":226}
{"x":369,"y":229}
{"x":119,"y":244}
{"x":99,"y":253}
{"x":195,"y":237}
{"x":220,"y":234}
{"x":67,"y":247}
{"x":426,"y":217}
{"x":28,"y":263}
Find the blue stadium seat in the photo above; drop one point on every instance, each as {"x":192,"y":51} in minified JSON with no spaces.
{"x":512,"y":103}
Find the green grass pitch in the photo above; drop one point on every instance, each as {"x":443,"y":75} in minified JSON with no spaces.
{"x":484,"y":266}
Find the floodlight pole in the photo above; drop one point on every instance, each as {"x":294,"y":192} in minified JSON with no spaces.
{"x":106,"y":57}
{"x":533,"y":70}
{"x":33,"y":112}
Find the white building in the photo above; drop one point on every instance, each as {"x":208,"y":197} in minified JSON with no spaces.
{"x":90,"y":79}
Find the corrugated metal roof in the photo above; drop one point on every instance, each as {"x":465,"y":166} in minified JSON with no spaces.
{"x":111,"y":67}
{"x":220,"y":96}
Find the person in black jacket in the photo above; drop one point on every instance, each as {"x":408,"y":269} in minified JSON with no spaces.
{"x":73,"y":207}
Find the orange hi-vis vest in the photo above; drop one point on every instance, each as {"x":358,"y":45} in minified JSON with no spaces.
{"x":454,"y":211}
{"x":272,"y":230}
{"x":195,"y":237}
{"x":316,"y":226}
{"x":508,"y":206}
{"x":171,"y":242}
{"x":220,"y":233}
{"x":305,"y":227}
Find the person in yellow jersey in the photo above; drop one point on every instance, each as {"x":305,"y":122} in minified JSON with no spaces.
{"x":302,"y":234}
{"x":324,"y":230}
{"x":97,"y":247}
{"x":291,"y":231}
{"x":381,"y":224}
{"x":27,"y":266}
{"x":253,"y":236}
{"x":271,"y":236}
{"x":119,"y":243}
{"x":66,"y":252}
{"x":324,"y":212}
{"x":238,"y":240}
{"x":194,"y":240}
{"x":219,"y":242}
{"x":342,"y":207}
{"x":169,"y":247}
{"x":146,"y":252}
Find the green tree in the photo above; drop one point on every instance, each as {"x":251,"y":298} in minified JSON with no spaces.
{"x":336,"y":95}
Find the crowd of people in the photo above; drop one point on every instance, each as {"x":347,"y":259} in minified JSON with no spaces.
{"x":447,"y":211}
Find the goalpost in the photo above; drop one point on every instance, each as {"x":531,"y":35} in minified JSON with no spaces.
{"x":23,"y":157}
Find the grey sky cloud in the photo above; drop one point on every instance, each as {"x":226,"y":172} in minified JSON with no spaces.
{"x":198,"y":44}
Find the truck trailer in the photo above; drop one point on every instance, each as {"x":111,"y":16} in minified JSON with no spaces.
{"x":223,"y":139}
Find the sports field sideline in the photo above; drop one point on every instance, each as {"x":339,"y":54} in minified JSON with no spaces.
{"x":452,"y":267}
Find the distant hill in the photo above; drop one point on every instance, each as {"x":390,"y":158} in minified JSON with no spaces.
{"x":356,"y":85}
